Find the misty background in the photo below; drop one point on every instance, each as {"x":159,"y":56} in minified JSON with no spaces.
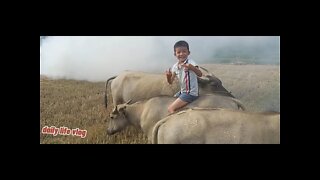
{"x":96,"y":58}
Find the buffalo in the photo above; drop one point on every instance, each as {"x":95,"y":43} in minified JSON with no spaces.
{"x":135,"y":86}
{"x":146,"y":113}
{"x":218,"y":126}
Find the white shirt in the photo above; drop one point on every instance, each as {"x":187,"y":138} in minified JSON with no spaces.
{"x":187,"y":79}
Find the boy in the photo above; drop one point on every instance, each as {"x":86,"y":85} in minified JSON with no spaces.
{"x":187,"y":71}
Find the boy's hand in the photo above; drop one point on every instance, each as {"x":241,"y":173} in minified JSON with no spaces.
{"x":187,"y":66}
{"x":169,"y":75}
{"x":192,"y":68}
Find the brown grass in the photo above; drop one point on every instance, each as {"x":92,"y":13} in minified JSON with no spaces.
{"x":80,"y":104}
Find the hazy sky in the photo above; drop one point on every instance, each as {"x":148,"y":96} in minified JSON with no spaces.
{"x":96,"y":58}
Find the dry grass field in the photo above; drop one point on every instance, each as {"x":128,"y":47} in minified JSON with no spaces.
{"x":80,"y":104}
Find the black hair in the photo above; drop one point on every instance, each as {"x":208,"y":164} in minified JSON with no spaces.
{"x":181,"y":44}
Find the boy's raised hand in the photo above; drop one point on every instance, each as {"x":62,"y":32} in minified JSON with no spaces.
{"x":169,"y":75}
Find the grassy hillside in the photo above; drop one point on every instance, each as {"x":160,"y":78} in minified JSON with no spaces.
{"x":80,"y":104}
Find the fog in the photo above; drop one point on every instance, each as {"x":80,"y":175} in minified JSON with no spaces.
{"x":96,"y":58}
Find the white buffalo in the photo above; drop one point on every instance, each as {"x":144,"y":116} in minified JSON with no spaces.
{"x":145,"y":114}
{"x":136,"y":86}
{"x":218,"y":126}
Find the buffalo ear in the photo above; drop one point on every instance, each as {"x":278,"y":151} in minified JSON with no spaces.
{"x":115,"y":110}
{"x":128,"y":101}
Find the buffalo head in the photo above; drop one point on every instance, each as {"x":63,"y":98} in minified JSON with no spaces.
{"x":118,"y":120}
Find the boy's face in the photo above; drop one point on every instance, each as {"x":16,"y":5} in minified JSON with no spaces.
{"x":181,"y":53}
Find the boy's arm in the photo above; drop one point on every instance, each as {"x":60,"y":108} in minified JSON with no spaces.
{"x":195,"y":69}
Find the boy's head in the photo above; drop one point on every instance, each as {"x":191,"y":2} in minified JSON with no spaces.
{"x":181,"y":50}
{"x":181,"y":44}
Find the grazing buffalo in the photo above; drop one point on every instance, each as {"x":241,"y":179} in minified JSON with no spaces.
{"x":218,"y":126}
{"x":145,"y":114}
{"x":135,"y":86}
